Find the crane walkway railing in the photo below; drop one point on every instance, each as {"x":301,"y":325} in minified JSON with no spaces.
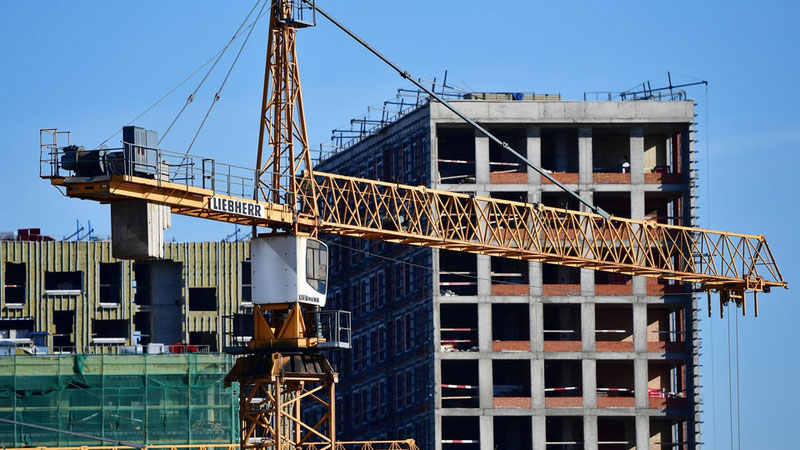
{"x":192,"y":185}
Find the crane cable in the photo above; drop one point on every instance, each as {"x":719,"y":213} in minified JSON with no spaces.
{"x":190,"y":99}
{"x":405,"y":74}
{"x":171,"y":91}
{"x":224,"y":81}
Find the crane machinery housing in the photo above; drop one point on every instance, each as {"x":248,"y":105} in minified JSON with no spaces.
{"x":283,"y":368}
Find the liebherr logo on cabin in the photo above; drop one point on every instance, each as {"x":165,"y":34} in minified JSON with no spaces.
{"x":237,"y":207}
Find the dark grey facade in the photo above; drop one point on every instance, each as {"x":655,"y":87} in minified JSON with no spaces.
{"x":475,"y":352}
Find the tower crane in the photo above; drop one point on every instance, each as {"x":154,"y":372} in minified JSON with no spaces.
{"x":283,"y":366}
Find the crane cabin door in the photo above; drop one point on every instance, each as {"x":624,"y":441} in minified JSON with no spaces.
{"x":289,"y":269}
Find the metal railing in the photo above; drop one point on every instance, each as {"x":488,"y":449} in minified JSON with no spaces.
{"x":159,"y":165}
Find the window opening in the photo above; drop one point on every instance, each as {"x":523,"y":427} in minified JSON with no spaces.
{"x":63,"y":282}
{"x":14,"y":283}
{"x":202,"y":299}
{"x":111,"y":282}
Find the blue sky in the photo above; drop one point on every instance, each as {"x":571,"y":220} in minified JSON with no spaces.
{"x":91,"y":66}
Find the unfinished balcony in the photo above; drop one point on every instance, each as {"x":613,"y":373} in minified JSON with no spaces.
{"x":611,"y":155}
{"x":668,"y":434}
{"x":456,"y":149}
{"x":512,"y":383}
{"x":562,"y":328}
{"x":615,"y":384}
{"x":560,"y":280}
{"x":513,"y":432}
{"x":666,"y":385}
{"x":560,"y":154}
{"x":563,"y":381}
{"x":505,"y":167}
{"x":613,"y":328}
{"x":458,"y":327}
{"x":564,"y":433}
{"x":616,"y":433}
{"x":662,"y":157}
{"x":460,"y":384}
{"x":666,"y":332}
{"x":511,"y":328}
{"x":460,"y":433}
{"x":458,"y":274}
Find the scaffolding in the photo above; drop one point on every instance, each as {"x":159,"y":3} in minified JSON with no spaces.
{"x":148,"y":399}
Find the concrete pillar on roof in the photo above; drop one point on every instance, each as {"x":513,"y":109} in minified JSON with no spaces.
{"x":585,"y":155}
{"x":534,"y":154}
{"x":637,"y":155}
{"x":481,"y":158}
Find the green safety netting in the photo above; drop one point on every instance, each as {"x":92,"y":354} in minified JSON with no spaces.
{"x":148,"y":399}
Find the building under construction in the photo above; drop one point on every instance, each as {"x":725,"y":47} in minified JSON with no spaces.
{"x":465,"y":351}
{"x":141,"y":399}
{"x":74,"y":297}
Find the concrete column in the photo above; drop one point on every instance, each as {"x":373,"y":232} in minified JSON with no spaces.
{"x":589,"y":431}
{"x":640,"y":378}
{"x":487,"y":432}
{"x":485,"y":327}
{"x":589,"y":196}
{"x":637,"y":203}
{"x":437,"y":431}
{"x":637,"y":213}
{"x":534,"y":148}
{"x":481,"y":158}
{"x":535,"y":277}
{"x":589,"y":375}
{"x":642,"y":432}
{"x":585,"y":156}
{"x":539,"y":433}
{"x":486,"y":383}
{"x":587,"y":282}
{"x":640,"y":328}
{"x":587,"y":327}
{"x":537,"y":383}
{"x":637,"y":155}
{"x":484,"y":275}
{"x":536,"y":312}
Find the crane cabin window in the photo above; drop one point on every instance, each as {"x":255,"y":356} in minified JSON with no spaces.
{"x":317,"y":265}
